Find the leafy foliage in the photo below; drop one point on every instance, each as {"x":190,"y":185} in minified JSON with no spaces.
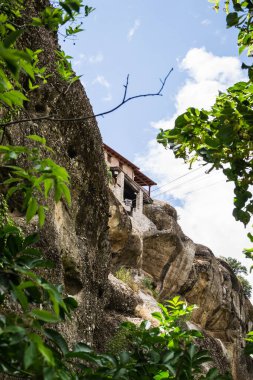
{"x":61,"y":13}
{"x":238,"y":268}
{"x":37,"y":179}
{"x":241,"y":18}
{"x":64,"y":68}
{"x":125,"y":275}
{"x":223,"y":136}
{"x":30,"y":346}
{"x":14,"y":62}
{"x":235,"y":265}
{"x":249,"y":251}
{"x":167,"y":351}
{"x":249,"y":343}
{"x":30,"y":302}
{"x":246,"y":287}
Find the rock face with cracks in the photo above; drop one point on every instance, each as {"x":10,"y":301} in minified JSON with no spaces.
{"x":179,"y":266}
{"x":124,"y":237}
{"x":75,"y":237}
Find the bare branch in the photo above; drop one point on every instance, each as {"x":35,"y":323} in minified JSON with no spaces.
{"x":126,"y":86}
{"x":83,"y":118}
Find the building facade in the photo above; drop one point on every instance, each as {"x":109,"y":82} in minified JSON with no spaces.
{"x":130,"y":186}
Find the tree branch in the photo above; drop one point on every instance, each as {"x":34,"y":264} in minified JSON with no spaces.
{"x":83,"y":118}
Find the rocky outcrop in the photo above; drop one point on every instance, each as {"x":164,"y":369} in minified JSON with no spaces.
{"x":76,"y":237}
{"x":191,"y":270}
{"x":121,"y":297}
{"x":125,"y":239}
{"x":179,"y":266}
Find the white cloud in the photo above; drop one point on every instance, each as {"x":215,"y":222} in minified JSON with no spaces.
{"x":91,"y":59}
{"x":133,"y":29}
{"x":205,"y":22}
{"x":202,"y":65}
{"x":96,"y":58}
{"x":100,"y":79}
{"x":204,"y":202}
{"x":108,"y":97}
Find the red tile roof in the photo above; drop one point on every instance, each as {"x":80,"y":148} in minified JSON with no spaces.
{"x":139,"y":177}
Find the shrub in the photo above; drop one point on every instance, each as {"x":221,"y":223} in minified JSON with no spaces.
{"x":123,"y":274}
{"x":246,"y":287}
{"x":147,"y":283}
{"x":167,"y":351}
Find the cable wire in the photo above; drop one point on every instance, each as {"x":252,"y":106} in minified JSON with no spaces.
{"x":175,"y":179}
{"x":183,"y":184}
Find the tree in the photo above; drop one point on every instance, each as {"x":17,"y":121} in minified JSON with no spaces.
{"x":246,"y":287}
{"x":223,"y":136}
{"x":238,"y":268}
{"x":235,"y":265}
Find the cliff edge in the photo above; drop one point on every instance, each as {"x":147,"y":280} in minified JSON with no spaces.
{"x":154,"y":245}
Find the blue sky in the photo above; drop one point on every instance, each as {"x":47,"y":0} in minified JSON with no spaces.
{"x":145,"y":39}
{"x":162,"y":33}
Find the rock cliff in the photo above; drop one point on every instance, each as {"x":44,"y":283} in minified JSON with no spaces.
{"x":179,"y":266}
{"x":153,"y":245}
{"x":75,"y":237}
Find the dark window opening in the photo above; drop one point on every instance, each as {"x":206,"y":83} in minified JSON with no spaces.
{"x":121,"y":165}
{"x":129,"y":194}
{"x":109,"y":158}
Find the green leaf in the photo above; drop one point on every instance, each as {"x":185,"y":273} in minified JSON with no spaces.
{"x":29,"y":69}
{"x":88,"y":10}
{"x":71,"y":303}
{"x":48,"y":183}
{"x":37,"y":138}
{"x":26,"y":284}
{"x":82,"y":347}
{"x":32,"y":209}
{"x":31,"y":239}
{"x":89,"y":357}
{"x":21,"y":297}
{"x":36,"y":21}
{"x":14,"y":329}
{"x":30,"y":355}
{"x":124,"y":357}
{"x":11,"y":38}
{"x":66,"y":193}
{"x":66,"y":7}
{"x":46,"y":352}
{"x":14,"y":244}
{"x":41,"y":214}
{"x":232,"y":19}
{"x":31,"y":86}
{"x":58,"y":339}
{"x":168,"y":357}
{"x":44,"y":315}
{"x":57,"y":192}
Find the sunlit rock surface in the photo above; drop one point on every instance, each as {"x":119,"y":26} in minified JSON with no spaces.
{"x":179,"y":266}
